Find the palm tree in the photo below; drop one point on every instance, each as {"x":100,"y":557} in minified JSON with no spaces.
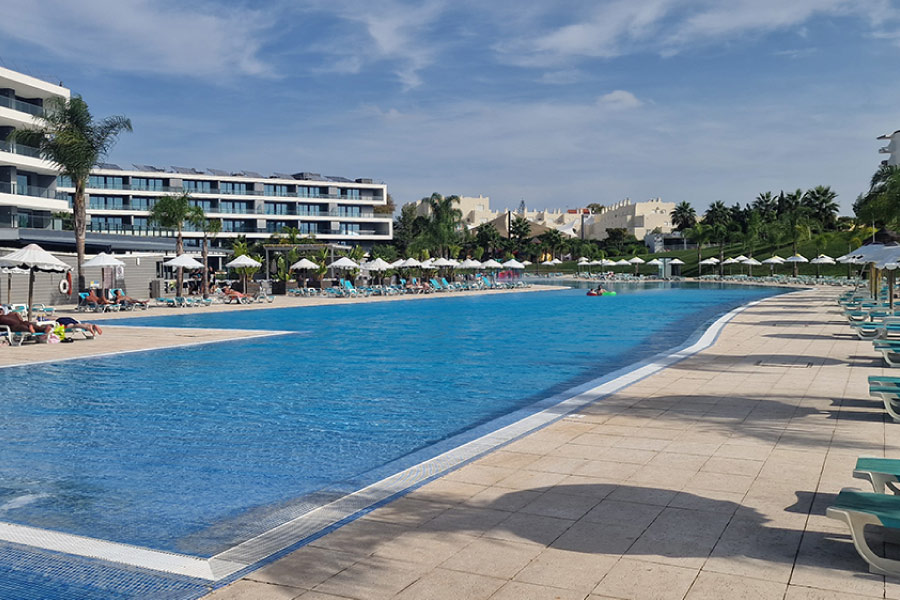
{"x":717,"y":214}
{"x":552,"y":239}
{"x":766,"y":206}
{"x":700,"y":234}
{"x":210,"y":229}
{"x":443,"y":222}
{"x":520,"y":232}
{"x":487,"y":236}
{"x":820,"y":202}
{"x":172,"y":212}
{"x":67,"y":136}
{"x":684,"y":216}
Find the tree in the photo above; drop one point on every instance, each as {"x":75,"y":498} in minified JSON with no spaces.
{"x":881,"y":204}
{"x":67,"y":136}
{"x":387,"y":209}
{"x":443,"y":222}
{"x":172,"y":212}
{"x":684,"y":216}
{"x":700,"y":234}
{"x":210,"y":229}
{"x":407,"y":227}
{"x":385,"y":252}
{"x":552,"y":240}
{"x":820,"y":202}
{"x":717,"y":214}
{"x":766,"y":206}
{"x":519,"y":232}
{"x":595,"y":208}
{"x":487,"y":237}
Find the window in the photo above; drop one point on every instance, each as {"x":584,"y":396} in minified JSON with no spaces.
{"x":141,"y":222}
{"x":237,"y":225}
{"x":272,"y":189}
{"x":309,"y":228}
{"x":106,"y":202}
{"x":139,"y":203}
{"x":227,"y":187}
{"x":308,"y":210}
{"x":348,"y":211}
{"x":146,"y":183}
{"x":350,"y":229}
{"x":277,"y":226}
{"x":309,"y":192}
{"x":351,"y":193}
{"x":105,"y":182}
{"x":278,"y":208}
{"x":104,"y":223}
{"x":198,"y":187}
{"x":235,"y":206}
{"x":64,"y":181}
{"x":206,"y":205}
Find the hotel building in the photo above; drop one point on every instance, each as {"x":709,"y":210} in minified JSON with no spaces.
{"x":32,"y":195}
{"x":892,"y":149}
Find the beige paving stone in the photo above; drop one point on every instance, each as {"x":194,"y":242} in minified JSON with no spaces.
{"x":305,"y":568}
{"x":373,"y":578}
{"x":714,"y":586}
{"x":320,"y":596}
{"x":531,"y":480}
{"x":529,"y":528}
{"x":751,"y":548}
{"x":719,"y":482}
{"x":424,"y":547}
{"x":795,"y":592}
{"x":253,"y":590}
{"x":615,"y":512}
{"x":410,"y":511}
{"x":515,"y":590}
{"x":732,"y":466}
{"x":680,"y":537}
{"x":442,"y":584}
{"x":480,"y":474}
{"x":555,"y":503}
{"x":609,"y":470}
{"x":507,"y":459}
{"x":465,"y":519}
{"x":557,"y":464}
{"x":501,"y":498}
{"x":638,"y":580}
{"x":495,"y":558}
{"x":577,"y":571}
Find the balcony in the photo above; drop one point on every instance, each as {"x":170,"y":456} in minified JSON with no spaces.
{"x":27,"y":190}
{"x":130,"y":230}
{"x":885,"y":150}
{"x":20,"y":106}
{"x":19,"y":149}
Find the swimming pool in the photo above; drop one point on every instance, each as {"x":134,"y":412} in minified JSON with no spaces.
{"x":195,"y":449}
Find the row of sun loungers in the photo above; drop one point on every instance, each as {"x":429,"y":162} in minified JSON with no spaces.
{"x":346,"y":289}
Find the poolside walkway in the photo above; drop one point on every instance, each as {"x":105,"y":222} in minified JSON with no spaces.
{"x":709,"y":479}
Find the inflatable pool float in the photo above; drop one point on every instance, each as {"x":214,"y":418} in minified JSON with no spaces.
{"x":593,"y":293}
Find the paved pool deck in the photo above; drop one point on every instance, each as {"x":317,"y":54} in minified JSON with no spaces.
{"x":709,"y":479}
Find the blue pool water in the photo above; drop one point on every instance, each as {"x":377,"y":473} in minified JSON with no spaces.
{"x":195,"y":449}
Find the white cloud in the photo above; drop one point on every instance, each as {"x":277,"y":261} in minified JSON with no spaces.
{"x":618,"y":100}
{"x":198,"y":39}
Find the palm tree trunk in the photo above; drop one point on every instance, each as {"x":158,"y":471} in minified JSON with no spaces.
{"x":179,"y":250}
{"x":79,"y":218}
{"x":721,"y":258}
{"x":204,"y":285}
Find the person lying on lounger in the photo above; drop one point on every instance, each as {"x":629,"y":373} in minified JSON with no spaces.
{"x":123,"y":299}
{"x":93,"y":297}
{"x":233,"y":294}
{"x":71,"y":324}
{"x":17,"y":324}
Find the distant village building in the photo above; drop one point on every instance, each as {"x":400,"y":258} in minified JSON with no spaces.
{"x":638,"y":218}
{"x":893,"y":148}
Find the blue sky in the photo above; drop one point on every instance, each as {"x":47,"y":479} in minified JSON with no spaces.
{"x":557,"y":103}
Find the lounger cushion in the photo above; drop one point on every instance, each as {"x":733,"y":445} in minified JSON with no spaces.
{"x":884,"y":507}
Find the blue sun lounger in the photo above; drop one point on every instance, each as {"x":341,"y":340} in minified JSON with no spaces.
{"x":859,"y":509}
{"x":882,"y":473}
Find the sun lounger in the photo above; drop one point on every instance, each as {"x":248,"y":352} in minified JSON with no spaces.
{"x":859,"y":509}
{"x":880,"y":472}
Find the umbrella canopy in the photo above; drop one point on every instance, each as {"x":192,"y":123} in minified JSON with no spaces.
{"x":103,"y":260}
{"x":637,"y":260}
{"x":549,"y":263}
{"x":773,"y":260}
{"x":729,"y":261}
{"x":655,"y":262}
{"x":583,"y":259}
{"x":493,"y":264}
{"x":797,"y":258}
{"x":33,"y":258}
{"x":410,"y":262}
{"x":470,"y":263}
{"x":822,"y":259}
{"x":676,"y":261}
{"x":428,"y":263}
{"x":397,"y":263}
{"x":184,"y":261}
{"x":556,"y":261}
{"x":527,"y":263}
{"x":751,"y":261}
{"x":442,"y":262}
{"x":241,"y":262}
{"x":513,"y":264}
{"x":304,"y":263}
{"x":622,"y":263}
{"x":343,"y":263}
{"x":740,"y":258}
{"x":596,"y":263}
{"x":378,"y":264}
{"x":709,"y":261}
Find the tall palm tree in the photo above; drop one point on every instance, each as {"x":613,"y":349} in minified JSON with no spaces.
{"x":700,"y":234}
{"x":172,"y":212}
{"x":684,"y":216}
{"x":443,"y":222}
{"x":717,"y":214}
{"x":69,"y":137}
{"x":766,"y":206}
{"x":519,"y":232}
{"x":210,"y":229}
{"x":820,"y":202}
{"x":552,"y":239}
{"x":487,"y":236}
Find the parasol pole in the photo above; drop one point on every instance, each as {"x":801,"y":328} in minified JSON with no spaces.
{"x":30,"y":291}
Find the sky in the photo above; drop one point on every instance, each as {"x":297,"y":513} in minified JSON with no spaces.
{"x":554,"y":103}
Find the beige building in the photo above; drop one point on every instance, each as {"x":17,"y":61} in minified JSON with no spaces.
{"x":638,"y":218}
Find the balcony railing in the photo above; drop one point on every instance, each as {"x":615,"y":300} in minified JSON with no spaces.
{"x":19,"y":149}
{"x":27,"y":190}
{"x":20,"y":106}
{"x":130,"y":230}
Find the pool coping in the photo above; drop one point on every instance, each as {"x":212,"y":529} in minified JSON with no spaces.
{"x":271,"y":544}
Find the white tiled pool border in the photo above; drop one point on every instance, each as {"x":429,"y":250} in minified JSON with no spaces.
{"x":295,"y":531}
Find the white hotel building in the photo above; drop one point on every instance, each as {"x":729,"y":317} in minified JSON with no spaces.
{"x":333,"y":209}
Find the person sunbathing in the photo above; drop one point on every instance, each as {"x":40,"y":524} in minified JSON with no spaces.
{"x":93,"y":297}
{"x":17,"y":324}
{"x":123,"y":299}
{"x":71,"y":324}
{"x":231,"y":294}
